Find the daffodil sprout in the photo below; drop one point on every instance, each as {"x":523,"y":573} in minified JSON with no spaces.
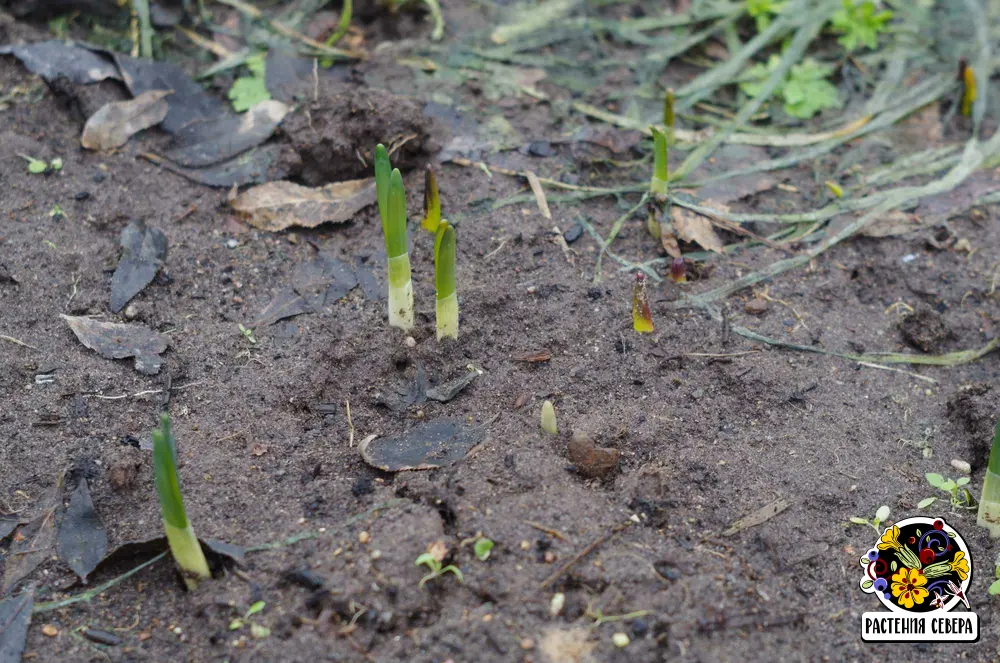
{"x":642,"y":318}
{"x":183,"y":543}
{"x":668,"y":115}
{"x":549,"y":418}
{"x":989,"y":501}
{"x":392,"y":208}
{"x":432,"y":202}
{"x":444,"y":280}
{"x":658,"y":183}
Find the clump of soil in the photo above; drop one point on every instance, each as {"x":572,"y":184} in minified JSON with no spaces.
{"x":334,"y":139}
{"x":925,"y":329}
{"x":975,"y":408}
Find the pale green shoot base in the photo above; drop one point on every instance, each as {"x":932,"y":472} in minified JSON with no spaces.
{"x":989,"y":505}
{"x":400,"y":293}
{"x":447,"y":317}
{"x":657,"y":186}
{"x":188,"y":554}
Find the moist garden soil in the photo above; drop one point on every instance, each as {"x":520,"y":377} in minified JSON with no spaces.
{"x":710,"y":427}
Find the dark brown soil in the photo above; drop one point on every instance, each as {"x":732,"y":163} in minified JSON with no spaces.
{"x":707,"y":427}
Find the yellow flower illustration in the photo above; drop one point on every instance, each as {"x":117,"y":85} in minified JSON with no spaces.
{"x":960,"y":565}
{"x":889,"y":539}
{"x":908,"y":587}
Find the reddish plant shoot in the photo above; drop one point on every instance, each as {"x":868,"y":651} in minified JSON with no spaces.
{"x":678,"y":271}
{"x":642,"y":319}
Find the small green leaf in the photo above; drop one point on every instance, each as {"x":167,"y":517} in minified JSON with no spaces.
{"x":926,"y":502}
{"x":255,"y":608}
{"x":483,"y":547}
{"x":962,"y":481}
{"x":429,"y":560}
{"x":935,"y":479}
{"x":867,"y":584}
{"x":56,"y":164}
{"x":248,"y":91}
{"x":994,"y":588}
{"x":948,"y":486}
{"x":451,"y":568}
{"x":259,"y":632}
{"x":236,"y":624}
{"x":859,"y":521}
{"x":882,"y":514}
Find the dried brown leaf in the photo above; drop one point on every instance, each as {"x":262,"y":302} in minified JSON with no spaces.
{"x":114,"y":123}
{"x":534,"y":356}
{"x":276,"y":206}
{"x":693,"y":227}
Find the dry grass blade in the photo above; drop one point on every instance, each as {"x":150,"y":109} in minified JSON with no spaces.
{"x":536,"y":188}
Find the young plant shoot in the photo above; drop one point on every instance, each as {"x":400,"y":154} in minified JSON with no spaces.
{"x":549,"y":418}
{"x":432,"y":202}
{"x":184,"y":544}
{"x":658,"y":183}
{"x":444,"y":280}
{"x":642,"y":318}
{"x":392,"y":208}
{"x":989,"y":501}
{"x":968,"y":80}
{"x":668,"y":116}
{"x":678,"y":271}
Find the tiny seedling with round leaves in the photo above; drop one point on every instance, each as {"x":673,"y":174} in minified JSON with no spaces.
{"x":549,"y":418}
{"x":958,"y":494}
{"x":444,"y":281}
{"x":881,"y":515}
{"x":482,"y":548}
{"x":435,"y":568}
{"x":392,"y":208}
{"x":184,"y":545}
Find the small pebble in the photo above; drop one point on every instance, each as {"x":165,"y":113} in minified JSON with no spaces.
{"x":364,"y":537}
{"x":50,"y":630}
{"x":232,"y":243}
{"x":81,"y":195}
{"x":525,"y":545}
{"x":756,"y":306}
{"x":527,"y":644}
{"x":961,"y":466}
{"x":620,"y":640}
{"x":549,"y":556}
{"x":410,"y":342}
{"x":573,"y":233}
{"x":131,"y":312}
{"x":556,"y":604}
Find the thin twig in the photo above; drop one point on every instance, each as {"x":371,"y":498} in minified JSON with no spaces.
{"x":548,"y":530}
{"x":13,"y":340}
{"x":350,"y":424}
{"x":898,"y":370}
{"x":583,"y":553}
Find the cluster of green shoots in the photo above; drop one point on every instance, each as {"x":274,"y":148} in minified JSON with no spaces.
{"x":184,"y":545}
{"x":989,"y":499}
{"x":392,"y":209}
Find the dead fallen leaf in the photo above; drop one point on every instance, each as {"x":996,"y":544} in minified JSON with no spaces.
{"x":116,"y":341}
{"x":114,"y":123}
{"x":758,"y":517}
{"x":533,"y":356}
{"x":276,"y":206}
{"x":258,"y":449}
{"x":426,"y":446}
{"x":438,"y":550}
{"x":589,"y":459}
{"x":893,"y":224}
{"x":536,"y":188}
{"x":693,"y":227}
{"x":143,"y":251}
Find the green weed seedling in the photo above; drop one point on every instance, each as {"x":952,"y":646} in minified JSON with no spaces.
{"x":436,"y":570}
{"x":248,"y":335}
{"x":482,"y":548}
{"x":804,"y":92}
{"x":859,"y":24}
{"x":762,"y":11}
{"x":39,"y":167}
{"x":258,"y":631}
{"x":881,"y":515}
{"x":959,"y":496}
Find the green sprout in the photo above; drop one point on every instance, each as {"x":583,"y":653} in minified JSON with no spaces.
{"x":57,"y":212}
{"x":345,"y":23}
{"x":444,"y":281}
{"x":549,"y":418}
{"x":658,"y":183}
{"x":881,"y":515}
{"x":258,"y":631}
{"x":432,"y":202}
{"x":248,"y":334}
{"x":761,"y":11}
{"x":482,"y":548}
{"x":989,"y":499}
{"x":248,"y":91}
{"x":184,"y":544}
{"x":959,"y":495}
{"x":392,"y":208}
{"x":433,"y":564}
{"x":669,"y":119}
{"x":859,"y":24}
{"x":38,"y":166}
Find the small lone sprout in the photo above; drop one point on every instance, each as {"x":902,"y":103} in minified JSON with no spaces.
{"x":549,"y":418}
{"x":678,"y":271}
{"x":57,"y":212}
{"x":834,"y":188}
{"x":658,"y":183}
{"x":642,"y":318}
{"x":989,"y":499}
{"x":248,"y":335}
{"x":433,"y":564}
{"x":251,"y":611}
{"x":482,"y":548}
{"x":881,"y":515}
{"x":36,"y":166}
{"x":432,"y":202}
{"x":184,"y":544}
{"x":392,"y":208}
{"x":968,"y":80}
{"x":444,"y":281}
{"x":959,"y":496}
